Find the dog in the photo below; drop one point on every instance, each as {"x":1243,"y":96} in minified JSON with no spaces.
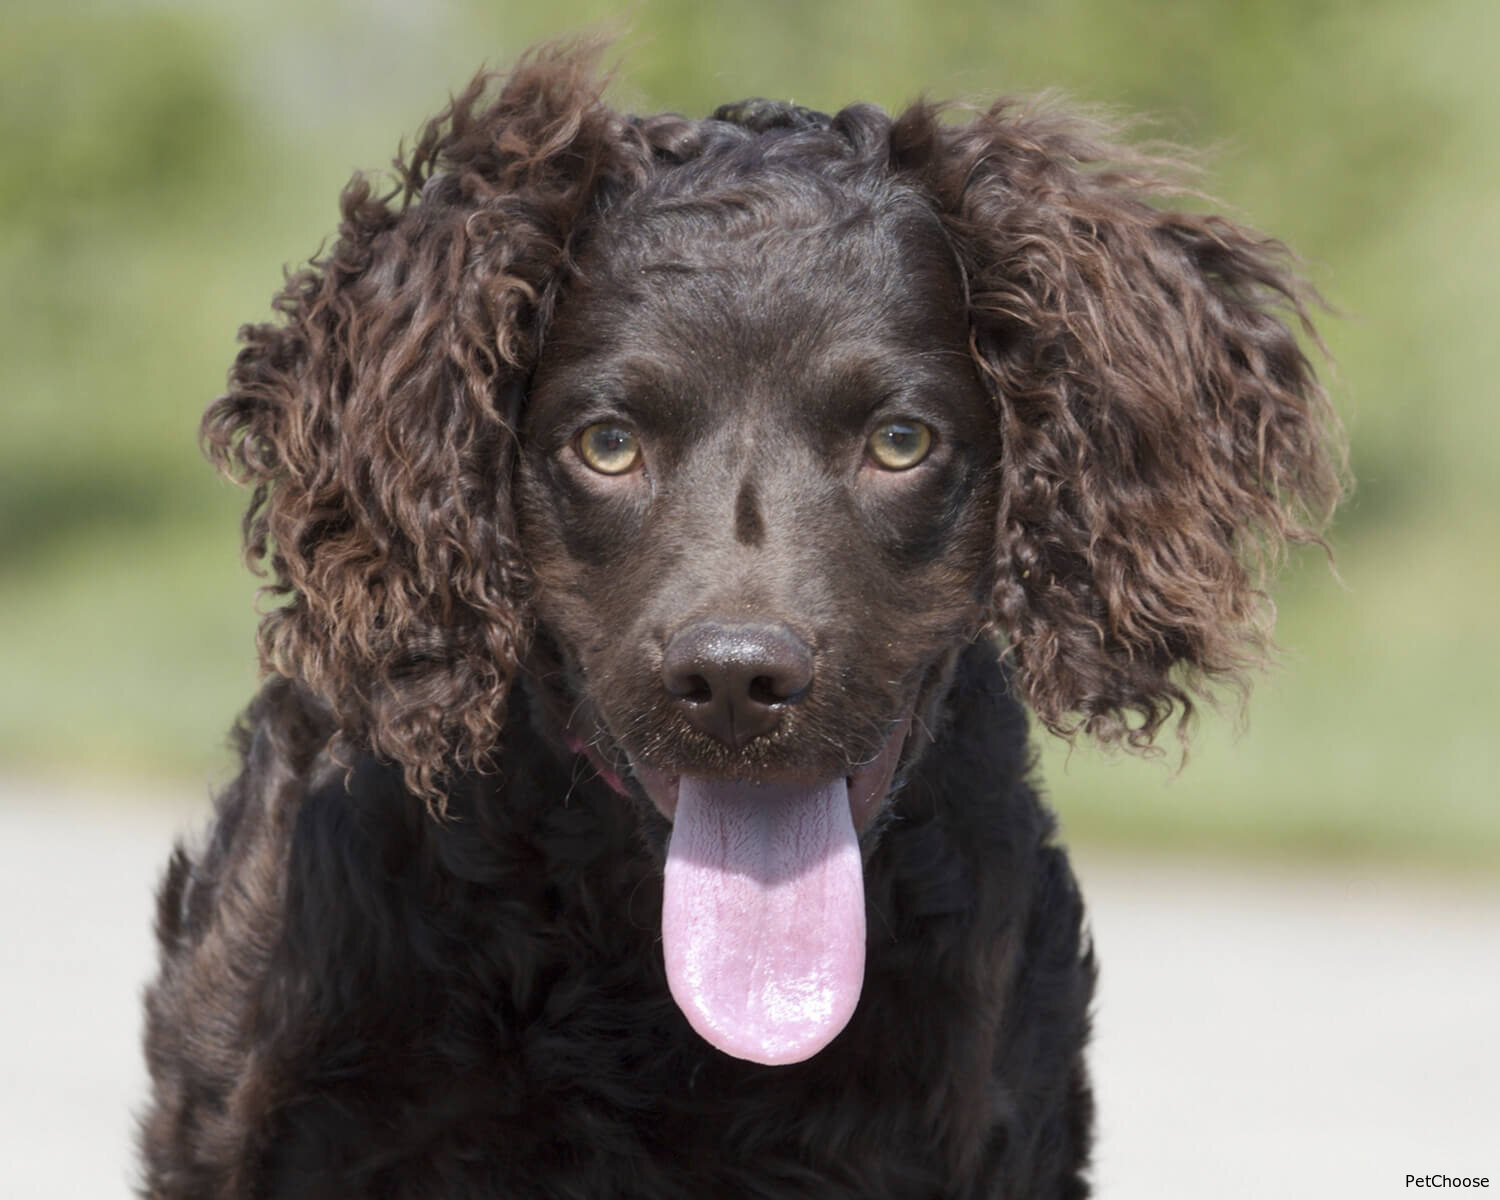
{"x":669,"y":524}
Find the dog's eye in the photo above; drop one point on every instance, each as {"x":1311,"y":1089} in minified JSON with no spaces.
{"x":608,"y":449}
{"x":900,"y":445}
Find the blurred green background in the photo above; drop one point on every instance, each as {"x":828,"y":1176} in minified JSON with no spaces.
{"x":163,"y":161}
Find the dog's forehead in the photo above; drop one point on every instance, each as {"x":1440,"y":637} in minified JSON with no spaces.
{"x":778,"y":297}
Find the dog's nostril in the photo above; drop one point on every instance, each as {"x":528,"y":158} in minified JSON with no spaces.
{"x":764,"y":690}
{"x":696,"y":690}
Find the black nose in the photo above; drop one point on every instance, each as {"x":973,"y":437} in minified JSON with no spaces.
{"x":733,"y":681}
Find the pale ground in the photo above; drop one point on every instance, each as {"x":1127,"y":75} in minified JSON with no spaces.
{"x":1261,"y":1032}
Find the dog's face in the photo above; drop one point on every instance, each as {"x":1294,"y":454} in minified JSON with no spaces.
{"x":768,"y":447}
{"x":757,"y":496}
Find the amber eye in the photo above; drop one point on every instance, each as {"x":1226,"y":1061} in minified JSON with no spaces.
{"x":899,"y":445}
{"x":608,"y":449}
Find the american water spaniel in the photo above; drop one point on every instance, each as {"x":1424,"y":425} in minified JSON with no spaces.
{"x":669,"y":524}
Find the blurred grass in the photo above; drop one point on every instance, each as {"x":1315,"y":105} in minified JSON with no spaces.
{"x":164,"y":160}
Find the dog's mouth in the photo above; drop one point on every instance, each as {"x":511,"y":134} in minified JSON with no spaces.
{"x":763,"y":904}
{"x":763,"y":912}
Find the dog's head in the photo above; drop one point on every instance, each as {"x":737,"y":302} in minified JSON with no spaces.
{"x":732,"y":432}
{"x":758,"y":470}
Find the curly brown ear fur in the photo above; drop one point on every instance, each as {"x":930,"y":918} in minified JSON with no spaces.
{"x":372,"y":422}
{"x":1164,"y":434}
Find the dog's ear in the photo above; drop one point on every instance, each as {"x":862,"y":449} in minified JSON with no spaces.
{"x":373,"y":422}
{"x":1164,"y":435}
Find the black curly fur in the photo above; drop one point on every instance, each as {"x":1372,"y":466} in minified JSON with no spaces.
{"x":360,"y":1001}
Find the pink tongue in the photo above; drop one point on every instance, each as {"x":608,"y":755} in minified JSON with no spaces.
{"x":763,"y":916}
